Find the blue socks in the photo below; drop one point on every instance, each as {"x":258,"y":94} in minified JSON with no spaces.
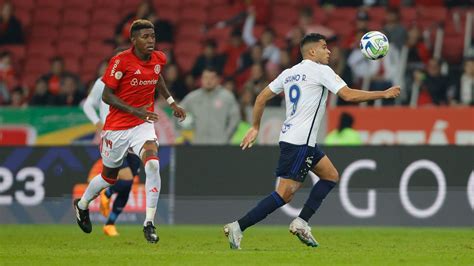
{"x":122,"y":187}
{"x":263,"y":208}
{"x":316,"y":197}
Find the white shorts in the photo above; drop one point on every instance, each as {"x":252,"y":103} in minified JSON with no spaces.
{"x":115,"y":144}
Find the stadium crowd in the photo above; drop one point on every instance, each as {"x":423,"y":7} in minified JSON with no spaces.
{"x":247,"y":42}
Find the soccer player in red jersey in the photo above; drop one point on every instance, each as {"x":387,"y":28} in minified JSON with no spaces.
{"x":130,"y":83}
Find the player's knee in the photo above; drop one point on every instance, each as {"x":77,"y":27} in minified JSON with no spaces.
{"x":287,"y":195}
{"x":152,"y":165}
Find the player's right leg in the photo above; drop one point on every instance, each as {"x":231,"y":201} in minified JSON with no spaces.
{"x":113,"y":149}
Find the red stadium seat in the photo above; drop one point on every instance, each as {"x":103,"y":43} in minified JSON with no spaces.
{"x":24,"y":15}
{"x":70,"y":49}
{"x":73,"y":33}
{"x":37,"y":66}
{"x":18,"y":51}
{"x":46,"y":16}
{"x":342,"y":14}
{"x":286,"y":13}
{"x":377,"y":14}
{"x":24,"y":4}
{"x":281,"y":28}
{"x":102,"y":31}
{"x":76,"y":17}
{"x":79,"y":4}
{"x":195,"y":4}
{"x":158,"y":4}
{"x":131,"y":5}
{"x":109,"y":4}
{"x":44,"y":31}
{"x":72,"y":64}
{"x":191,"y":30}
{"x":220,"y":13}
{"x":104,"y":16}
{"x":192,"y":15}
{"x":41,"y":49}
{"x":434,"y":13}
{"x":99,"y":49}
{"x":453,"y":48}
{"x":168,"y":13}
{"x":49,"y":3}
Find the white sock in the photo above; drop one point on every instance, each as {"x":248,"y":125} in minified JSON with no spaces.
{"x":153,"y":188}
{"x":92,"y":191}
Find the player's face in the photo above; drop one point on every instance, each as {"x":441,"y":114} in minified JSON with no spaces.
{"x":321,"y":52}
{"x":144,"y":41}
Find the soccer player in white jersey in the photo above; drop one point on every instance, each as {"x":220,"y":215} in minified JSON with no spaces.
{"x":127,"y":171}
{"x":306,"y":86}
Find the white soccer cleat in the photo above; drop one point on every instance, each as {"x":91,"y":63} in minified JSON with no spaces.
{"x":301,"y":229}
{"x":234,"y":234}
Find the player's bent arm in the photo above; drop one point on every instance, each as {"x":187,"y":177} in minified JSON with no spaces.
{"x":163,"y":90}
{"x":259,"y":105}
{"x":351,"y":95}
{"x":111,"y":99}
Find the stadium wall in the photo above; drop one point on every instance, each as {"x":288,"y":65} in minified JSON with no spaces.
{"x":397,"y":185}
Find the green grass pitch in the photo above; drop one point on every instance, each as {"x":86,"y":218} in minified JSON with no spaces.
{"x":262,"y":245}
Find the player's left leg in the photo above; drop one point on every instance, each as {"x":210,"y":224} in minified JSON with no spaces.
{"x":153,"y":187}
{"x":329,"y":176}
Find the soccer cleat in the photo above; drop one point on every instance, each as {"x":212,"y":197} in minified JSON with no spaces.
{"x":150,"y":233}
{"x":110,"y":230}
{"x":234,"y":234}
{"x":82,"y":218}
{"x":301,"y":229}
{"x":104,"y":204}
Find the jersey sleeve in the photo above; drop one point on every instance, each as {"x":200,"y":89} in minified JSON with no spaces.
{"x":276,"y":86}
{"x":92,"y":102}
{"x":114,"y":73}
{"x":331,"y":80}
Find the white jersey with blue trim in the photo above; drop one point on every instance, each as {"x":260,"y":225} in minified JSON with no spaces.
{"x":306,"y":88}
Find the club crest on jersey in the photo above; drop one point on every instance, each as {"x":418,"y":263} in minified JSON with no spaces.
{"x":157,"y":69}
{"x":118,"y":75}
{"x":285,"y":128}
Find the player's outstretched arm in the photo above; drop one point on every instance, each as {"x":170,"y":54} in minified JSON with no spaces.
{"x":178,"y":111}
{"x":111,"y":99}
{"x":351,"y":95}
{"x":258,"y":108}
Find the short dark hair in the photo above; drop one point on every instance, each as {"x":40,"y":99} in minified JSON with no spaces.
{"x":312,"y":37}
{"x":140,"y":24}
{"x":211,"y":68}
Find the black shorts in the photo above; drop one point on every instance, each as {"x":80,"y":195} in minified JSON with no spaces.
{"x":132,"y":161}
{"x":296,"y":160}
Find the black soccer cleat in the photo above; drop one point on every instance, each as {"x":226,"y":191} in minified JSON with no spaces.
{"x":150,"y":233}
{"x":82,"y":218}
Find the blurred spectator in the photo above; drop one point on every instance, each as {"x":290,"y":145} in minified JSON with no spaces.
{"x":56,"y":75}
{"x":305,"y":21}
{"x":175,"y":84}
{"x":361,"y":26}
{"x":464,"y":94}
{"x":418,"y":53}
{"x":10,"y":27}
{"x":430,"y":88}
{"x":256,"y":83}
{"x":69,"y":93}
{"x":384,"y":72}
{"x":285,"y":60}
{"x":252,"y":56}
{"x":337,"y":62}
{"x":271,"y":52}
{"x":145,"y":10}
{"x":293,"y":44}
{"x":357,"y":62}
{"x":7,"y":76}
{"x":394,"y":30}
{"x":17,"y":97}
{"x":209,"y":57}
{"x":41,"y":96}
{"x":229,"y":84}
{"x":344,"y":134}
{"x":233,"y":52}
{"x":214,"y":110}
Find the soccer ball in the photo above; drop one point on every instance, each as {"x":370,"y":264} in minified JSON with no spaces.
{"x":374,"y":45}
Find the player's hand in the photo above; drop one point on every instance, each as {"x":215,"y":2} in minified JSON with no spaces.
{"x":249,"y":138}
{"x":392,"y":92}
{"x":178,"y":112}
{"x":99,"y":126}
{"x":143,"y":113}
